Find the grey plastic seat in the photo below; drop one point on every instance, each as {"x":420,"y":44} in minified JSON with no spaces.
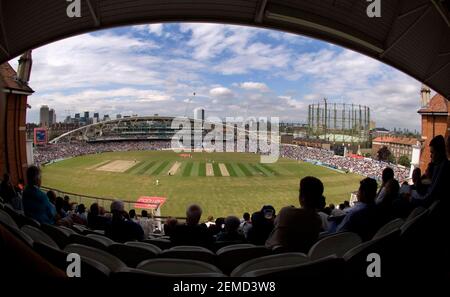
{"x":24,"y":220}
{"x":107,"y":259}
{"x":161,"y":243}
{"x":149,"y":246}
{"x":39,"y":236}
{"x":84,"y":240}
{"x":229,"y":257}
{"x":415,"y":223}
{"x":131,"y":255}
{"x":325,"y":268}
{"x":67,"y":230}
{"x":128,"y":275}
{"x":177,"y":266}
{"x":189,"y":252}
{"x":269,"y":261}
{"x":7,"y":220}
{"x":101,"y":238}
{"x":60,"y":236}
{"x":79,"y":228}
{"x":21,"y":235}
{"x":388,"y":227}
{"x":337,"y":244}
{"x":90,"y":269}
{"x":386,"y":245}
{"x":415,"y":212}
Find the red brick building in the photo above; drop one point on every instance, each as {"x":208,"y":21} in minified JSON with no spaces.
{"x":435,"y":121}
{"x":13,"y":106}
{"x":398,"y":146}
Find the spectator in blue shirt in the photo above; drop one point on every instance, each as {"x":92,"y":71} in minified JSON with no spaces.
{"x":363,"y":218}
{"x":35,"y":202}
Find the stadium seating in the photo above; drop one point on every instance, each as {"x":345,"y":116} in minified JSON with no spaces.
{"x":39,"y":236}
{"x":79,"y":228}
{"x":101,"y":238}
{"x":328,"y":268}
{"x":336,"y":244}
{"x":415,"y":212}
{"x":229,"y":257}
{"x":90,"y":269}
{"x":131,"y":255}
{"x":60,"y":236}
{"x":145,"y":245}
{"x":19,"y":218}
{"x":82,"y":239}
{"x":189,"y":252}
{"x":161,"y":243}
{"x":388,"y":227}
{"x":177,"y":266}
{"x":128,"y":275}
{"x":110,"y":261}
{"x":269,"y":261}
{"x":67,"y":230}
{"x":7,"y":220}
{"x":385,"y":245}
{"x":25,"y":238}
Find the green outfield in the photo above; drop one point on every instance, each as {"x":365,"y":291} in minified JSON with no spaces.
{"x":222,"y":183}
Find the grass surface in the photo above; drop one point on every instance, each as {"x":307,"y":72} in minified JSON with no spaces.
{"x":250,"y":185}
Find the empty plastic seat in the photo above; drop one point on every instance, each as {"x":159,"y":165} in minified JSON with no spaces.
{"x":60,"y":236}
{"x":84,"y":240}
{"x":131,"y":255}
{"x":102,"y":239}
{"x":328,"y":268}
{"x":7,"y":220}
{"x":145,"y":245}
{"x":107,"y":259}
{"x":79,"y":228}
{"x":161,"y":243}
{"x":24,"y":220}
{"x":415,"y":212}
{"x":268,"y":262}
{"x":127,"y":275}
{"x":220,"y":244}
{"x":39,"y":236}
{"x":67,"y":230}
{"x":388,"y":227}
{"x":177,"y":266}
{"x":336,"y":244}
{"x":229,"y":257}
{"x":189,"y":252}
{"x":21,"y":235}
{"x":16,"y":216}
{"x":414,"y":226}
{"x":90,"y":269}
{"x":385,"y":245}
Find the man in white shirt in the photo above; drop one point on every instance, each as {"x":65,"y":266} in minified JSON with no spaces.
{"x":146,"y":223}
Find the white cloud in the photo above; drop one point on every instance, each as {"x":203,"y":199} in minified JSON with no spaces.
{"x":256,"y":86}
{"x":220,"y":92}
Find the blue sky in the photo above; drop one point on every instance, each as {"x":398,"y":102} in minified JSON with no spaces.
{"x":234,"y":71}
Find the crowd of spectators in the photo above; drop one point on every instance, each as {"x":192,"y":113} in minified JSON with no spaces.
{"x":363,"y":166}
{"x":48,"y":153}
